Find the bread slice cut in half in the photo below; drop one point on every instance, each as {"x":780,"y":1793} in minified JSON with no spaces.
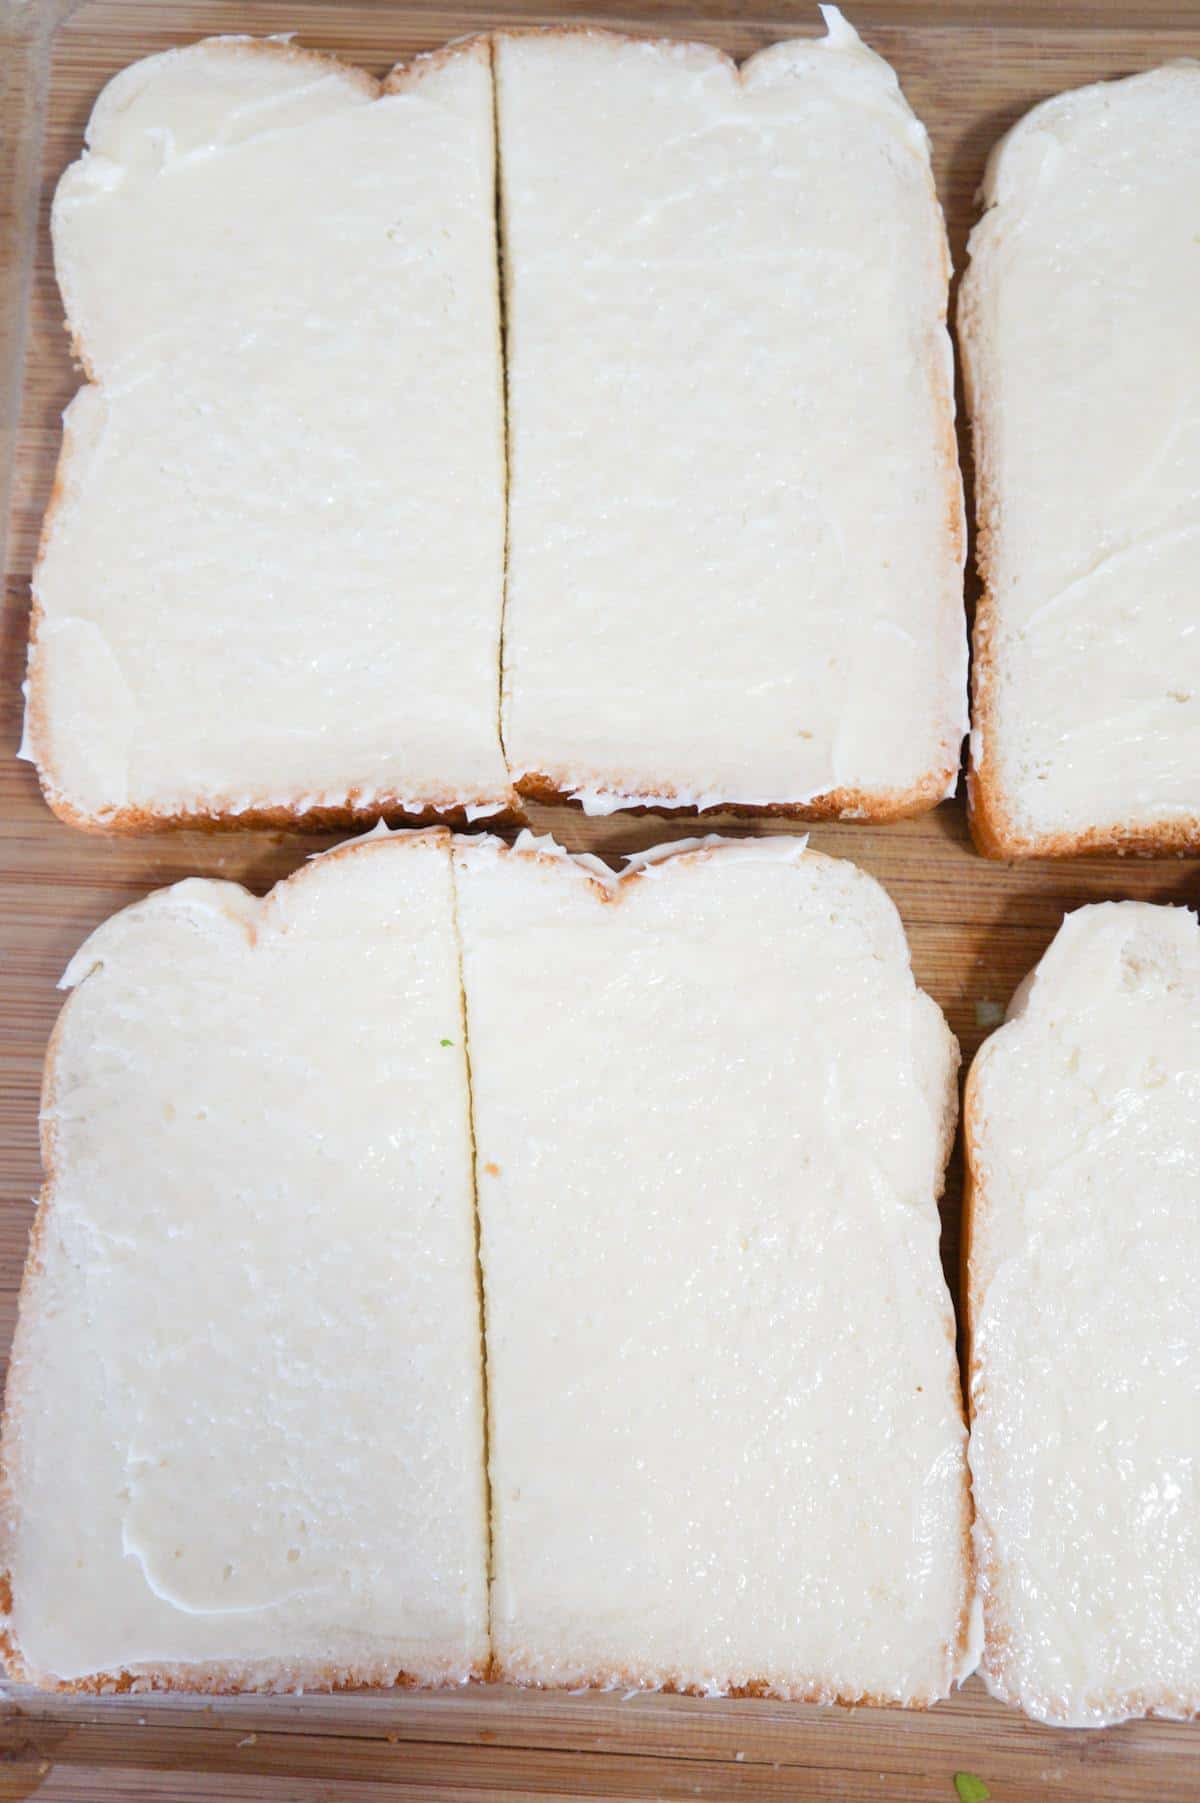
{"x":273,"y":585}
{"x":245,"y":1438}
{"x":1077,"y":322}
{"x":711,"y":1115}
{"x":271,"y":577}
{"x":243,"y":1443}
{"x":735,"y":515}
{"x":1083,"y":1282}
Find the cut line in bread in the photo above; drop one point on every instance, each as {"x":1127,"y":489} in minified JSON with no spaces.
{"x":251,"y":1307}
{"x":259,"y":600}
{"x":725,"y":1430}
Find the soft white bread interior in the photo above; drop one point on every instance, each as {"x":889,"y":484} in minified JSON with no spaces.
{"x":1077,"y":321}
{"x":243,"y":1442}
{"x":735,"y":515}
{"x":711,"y":1115}
{"x":271,"y":577}
{"x":1084,"y":1300}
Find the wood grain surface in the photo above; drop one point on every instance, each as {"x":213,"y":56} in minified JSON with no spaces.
{"x":976,"y":928}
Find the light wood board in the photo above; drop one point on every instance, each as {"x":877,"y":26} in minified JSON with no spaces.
{"x":975,"y":929}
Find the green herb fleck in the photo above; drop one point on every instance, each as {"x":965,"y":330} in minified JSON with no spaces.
{"x":447,"y":1042}
{"x":970,"y":1788}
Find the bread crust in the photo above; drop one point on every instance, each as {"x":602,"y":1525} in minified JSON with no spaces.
{"x":229,"y":1680}
{"x":996,"y":1635}
{"x":754,"y":1687}
{"x":392,"y":810}
{"x":866,"y":806}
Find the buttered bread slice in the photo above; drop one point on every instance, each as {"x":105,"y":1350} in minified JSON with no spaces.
{"x":243,"y":1442}
{"x":1077,"y":320}
{"x":270,"y":583}
{"x":1083,"y":1155}
{"x":711,"y":1114}
{"x":735,"y":515}
{"x":244,"y":1432}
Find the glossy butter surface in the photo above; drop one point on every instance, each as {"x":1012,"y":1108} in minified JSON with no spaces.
{"x":711,"y":1111}
{"x":244,"y":1439}
{"x":1078,"y":320}
{"x":1085,"y":1323}
{"x":272,"y":575}
{"x":735,"y":523}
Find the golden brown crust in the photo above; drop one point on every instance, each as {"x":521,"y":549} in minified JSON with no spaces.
{"x":216,"y":1680}
{"x":414,"y":68}
{"x":836,"y":804}
{"x":391,"y":810}
{"x":967,"y":1223}
{"x":754,"y":1687}
{"x":966,"y":1500}
{"x":986,"y":830}
{"x":995,"y":836}
{"x":624,"y":37}
{"x":233,"y":1680}
{"x":966,"y":1517}
{"x":286,"y":51}
{"x":990,"y":827}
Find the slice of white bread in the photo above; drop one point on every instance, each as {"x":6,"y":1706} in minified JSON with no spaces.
{"x":1077,"y":322}
{"x":270,"y":583}
{"x":243,"y":1440}
{"x":1083,"y":1282}
{"x":735,"y":515}
{"x":711,"y":1113}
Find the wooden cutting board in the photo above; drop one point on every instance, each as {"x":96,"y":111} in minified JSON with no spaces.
{"x":970,"y":70}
